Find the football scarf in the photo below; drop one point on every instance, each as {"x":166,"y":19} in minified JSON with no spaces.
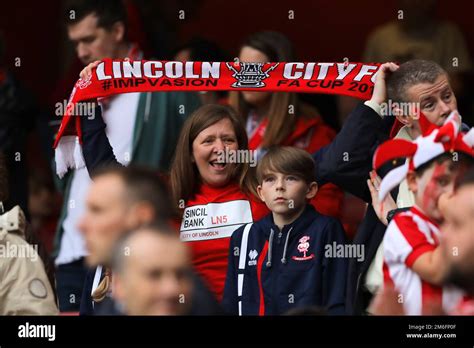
{"x":113,"y":77}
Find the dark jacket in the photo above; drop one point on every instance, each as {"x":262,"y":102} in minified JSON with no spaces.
{"x":203,"y":303}
{"x":287,"y":269}
{"x":346,"y":162}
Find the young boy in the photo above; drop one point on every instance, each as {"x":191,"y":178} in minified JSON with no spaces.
{"x":284,"y":261}
{"x":413,"y":262}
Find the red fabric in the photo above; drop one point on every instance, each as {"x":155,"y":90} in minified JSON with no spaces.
{"x":108,"y":79}
{"x":397,"y":125}
{"x":210,"y":256}
{"x":261,"y":258}
{"x":393,"y":149}
{"x":328,"y":200}
{"x":465,"y":307}
{"x":430,"y":295}
{"x":412,"y":234}
{"x":387,"y":279}
{"x":412,"y":226}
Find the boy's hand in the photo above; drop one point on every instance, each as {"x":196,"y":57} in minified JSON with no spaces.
{"x":386,"y":302}
{"x":381,"y":208}
{"x":380,"y":89}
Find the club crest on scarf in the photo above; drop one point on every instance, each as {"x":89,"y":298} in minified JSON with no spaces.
{"x":433,"y":142}
{"x":84,"y":83}
{"x":250,"y":75}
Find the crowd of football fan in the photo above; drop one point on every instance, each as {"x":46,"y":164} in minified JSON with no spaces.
{"x":154,"y":222}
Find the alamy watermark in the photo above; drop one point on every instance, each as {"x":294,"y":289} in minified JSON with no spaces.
{"x":352,"y":251}
{"x":86,"y":109}
{"x":238,"y":156}
{"x":10,"y":250}
{"x":391,"y":108}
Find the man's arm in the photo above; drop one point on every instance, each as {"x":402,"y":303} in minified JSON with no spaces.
{"x":96,"y":147}
{"x":347,"y":160}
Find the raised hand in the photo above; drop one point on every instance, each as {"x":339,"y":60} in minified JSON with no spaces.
{"x":380,"y":89}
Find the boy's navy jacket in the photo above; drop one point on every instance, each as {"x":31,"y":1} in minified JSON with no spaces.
{"x":286,"y":269}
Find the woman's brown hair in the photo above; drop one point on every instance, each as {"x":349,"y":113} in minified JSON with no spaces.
{"x":184,"y":174}
{"x":278,"y":48}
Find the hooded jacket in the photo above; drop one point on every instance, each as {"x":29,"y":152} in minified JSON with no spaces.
{"x":272,"y":271}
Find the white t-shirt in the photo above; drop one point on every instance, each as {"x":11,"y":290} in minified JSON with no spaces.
{"x":119,"y":116}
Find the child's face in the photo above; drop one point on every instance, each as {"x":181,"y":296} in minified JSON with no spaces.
{"x":437,"y":180}
{"x":285,"y":194}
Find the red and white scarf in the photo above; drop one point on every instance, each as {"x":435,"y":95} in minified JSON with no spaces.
{"x":120,"y":76}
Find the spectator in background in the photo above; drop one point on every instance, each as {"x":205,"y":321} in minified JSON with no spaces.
{"x":202,"y":50}
{"x":43,"y":205}
{"x":418,"y":34}
{"x":133,"y":123}
{"x":152,"y":273}
{"x":280,"y":118}
{"x":17,"y":118}
{"x":25,"y":280}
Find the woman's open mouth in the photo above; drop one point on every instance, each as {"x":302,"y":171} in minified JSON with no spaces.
{"x":218,"y":165}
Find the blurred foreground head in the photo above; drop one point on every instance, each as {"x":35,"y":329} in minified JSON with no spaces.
{"x":152,"y":273}
{"x":458,"y":235}
{"x":120,"y":199}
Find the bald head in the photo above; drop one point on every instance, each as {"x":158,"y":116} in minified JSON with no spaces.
{"x":152,"y":273}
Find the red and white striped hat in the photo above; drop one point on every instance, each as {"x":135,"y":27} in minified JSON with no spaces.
{"x":434,"y":141}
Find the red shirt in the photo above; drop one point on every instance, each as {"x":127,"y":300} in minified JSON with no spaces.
{"x":209,"y":220}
